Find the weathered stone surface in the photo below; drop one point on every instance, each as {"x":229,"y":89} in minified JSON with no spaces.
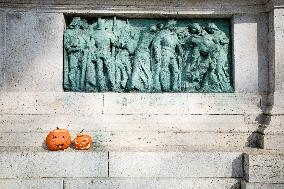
{"x":276,"y":3}
{"x":143,"y":122}
{"x":276,"y":125}
{"x":251,"y":63}
{"x":263,"y":54}
{"x":138,"y":139}
{"x":159,"y":183}
{"x":34,"y":58}
{"x":2,"y":49}
{"x":175,"y":164}
{"x":148,"y":7}
{"x":276,"y":57}
{"x":278,"y":103}
{"x":264,"y":168}
{"x":53,"y":164}
{"x":181,"y":104}
{"x":274,"y":132}
{"x":278,"y":49}
{"x":274,"y":141}
{"x":246,"y":185}
{"x":31,"y":183}
{"x":32,"y":115}
{"x":129,"y":103}
{"x":131,"y":119}
{"x":50,"y":103}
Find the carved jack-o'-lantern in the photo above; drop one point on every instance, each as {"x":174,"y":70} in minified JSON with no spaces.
{"x":82,"y":141}
{"x":58,"y":139}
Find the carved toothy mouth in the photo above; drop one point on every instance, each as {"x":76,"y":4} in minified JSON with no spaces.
{"x":59,"y":145}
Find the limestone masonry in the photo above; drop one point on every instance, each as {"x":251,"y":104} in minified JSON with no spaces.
{"x":176,"y":94}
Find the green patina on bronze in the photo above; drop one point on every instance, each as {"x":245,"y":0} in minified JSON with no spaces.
{"x":147,"y":55}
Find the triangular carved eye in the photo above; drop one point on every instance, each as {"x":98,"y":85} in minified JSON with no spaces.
{"x":54,"y":136}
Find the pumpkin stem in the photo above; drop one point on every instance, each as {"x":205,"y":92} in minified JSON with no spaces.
{"x":57,"y":127}
{"x":82,"y":131}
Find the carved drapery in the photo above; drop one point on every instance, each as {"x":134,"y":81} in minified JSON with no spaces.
{"x":147,"y":55}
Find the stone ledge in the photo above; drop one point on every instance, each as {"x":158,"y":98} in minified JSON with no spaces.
{"x":246,"y":185}
{"x":157,"y":183}
{"x":50,"y":103}
{"x":134,"y":138}
{"x":175,"y":164}
{"x":2,"y":49}
{"x":274,"y":141}
{"x":264,"y":168}
{"x":220,"y":7}
{"x":53,"y":164}
{"x":129,"y":103}
{"x":31,"y":183}
{"x":278,"y":107}
{"x":142,"y":122}
{"x":275,"y":125}
{"x":181,"y":103}
{"x":164,"y":149}
{"x":39,"y":163}
{"x":160,"y":149}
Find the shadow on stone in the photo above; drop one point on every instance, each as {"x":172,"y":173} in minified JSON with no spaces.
{"x":43,"y":145}
{"x":236,"y":186}
{"x":256,"y":139}
{"x":237,"y":171}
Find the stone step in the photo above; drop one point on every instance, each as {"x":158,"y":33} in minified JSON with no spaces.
{"x":120,"y":183}
{"x":128,"y":122}
{"x":273,"y":141}
{"x":44,"y":164}
{"x":138,"y":138}
{"x":153,"y":183}
{"x":132,"y":130}
{"x":32,"y":163}
{"x":278,"y":105}
{"x":275,"y":125}
{"x":175,"y":164}
{"x":42,"y":183}
{"x":273,"y":138}
{"x":246,"y":185}
{"x":129,"y":103}
{"x":264,"y":168}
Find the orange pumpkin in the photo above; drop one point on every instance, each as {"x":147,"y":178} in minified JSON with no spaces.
{"x":82,"y":141}
{"x":58,"y":139}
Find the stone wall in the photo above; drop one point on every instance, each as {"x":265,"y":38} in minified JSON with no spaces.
{"x":33,"y":71}
{"x":141,"y":140}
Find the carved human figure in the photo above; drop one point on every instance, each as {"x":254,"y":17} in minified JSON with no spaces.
{"x":88,"y":79}
{"x":210,"y":82}
{"x":220,"y":68}
{"x":141,"y":75}
{"x":201,"y":45}
{"x":124,"y":56}
{"x":156,"y":65}
{"x":75,"y":43}
{"x":126,"y":47}
{"x":91,"y":80}
{"x":166,"y":46}
{"x":102,"y":43}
